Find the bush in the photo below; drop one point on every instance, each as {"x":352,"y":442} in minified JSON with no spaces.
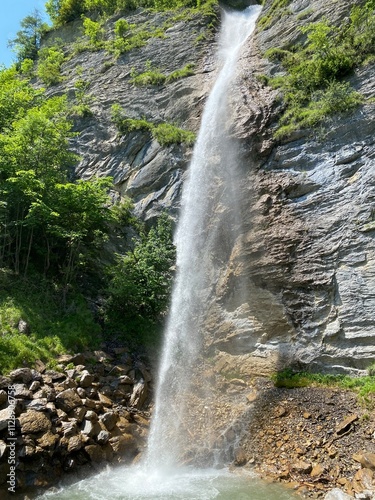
{"x":313,"y":88}
{"x":94,"y":31}
{"x":165,"y":133}
{"x":49,"y":65}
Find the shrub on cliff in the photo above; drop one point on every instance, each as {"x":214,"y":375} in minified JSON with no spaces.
{"x":313,"y":85}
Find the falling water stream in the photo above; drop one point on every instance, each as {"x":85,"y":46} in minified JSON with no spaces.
{"x":179,"y":462}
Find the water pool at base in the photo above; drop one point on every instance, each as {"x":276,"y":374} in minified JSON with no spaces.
{"x":137,"y":483}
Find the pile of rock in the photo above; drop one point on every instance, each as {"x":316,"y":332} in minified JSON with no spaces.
{"x":86,"y":412}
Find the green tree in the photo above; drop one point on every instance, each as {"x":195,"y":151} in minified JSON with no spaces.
{"x":26,"y":44}
{"x":141,"y":281}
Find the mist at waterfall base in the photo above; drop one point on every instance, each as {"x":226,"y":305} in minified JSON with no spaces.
{"x":184,"y":457}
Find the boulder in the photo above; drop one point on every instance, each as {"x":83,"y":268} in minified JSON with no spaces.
{"x":21,"y":391}
{"x":5,"y":416}
{"x":34,"y":422}
{"x":23,"y":375}
{"x":3,"y":397}
{"x":95,"y":453}
{"x":302,"y":467}
{"x":109,"y":419}
{"x":103,"y":437}
{"x":337,"y":494}
{"x":139,"y":394}
{"x":366,"y":459}
{"x":68,"y":400}
{"x":75,"y":443}
{"x":86,"y":379}
{"x":90,"y":428}
{"x":23,"y":327}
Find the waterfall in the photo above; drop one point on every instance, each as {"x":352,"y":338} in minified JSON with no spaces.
{"x":181,"y":419}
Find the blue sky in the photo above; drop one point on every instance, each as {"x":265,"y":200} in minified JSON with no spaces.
{"x":12,"y":13}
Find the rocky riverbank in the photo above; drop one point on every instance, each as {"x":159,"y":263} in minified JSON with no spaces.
{"x":313,"y":439}
{"x":90,"y":411}
{"x":67,"y":421}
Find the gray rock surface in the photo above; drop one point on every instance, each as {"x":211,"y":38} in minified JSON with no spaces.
{"x":297,"y":285}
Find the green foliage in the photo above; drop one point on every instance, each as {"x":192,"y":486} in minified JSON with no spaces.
{"x":49,"y":65}
{"x":48,"y":223}
{"x":133,"y":38}
{"x":16,"y":97}
{"x":54,"y":330}
{"x":64,"y":11}
{"x":165,"y":133}
{"x":94,"y":31}
{"x":82,"y":99}
{"x":364,"y":386}
{"x":27,"y":68}
{"x":152,"y":76}
{"x":276,"y":10}
{"x":122,"y":28}
{"x":184,"y":72}
{"x":313,"y":88}
{"x":140,"y":283}
{"x":26,"y":44}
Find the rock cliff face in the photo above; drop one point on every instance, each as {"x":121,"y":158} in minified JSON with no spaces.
{"x":307,"y":249}
{"x":298,"y":284}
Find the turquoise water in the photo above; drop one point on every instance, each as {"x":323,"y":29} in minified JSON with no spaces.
{"x":136,"y":483}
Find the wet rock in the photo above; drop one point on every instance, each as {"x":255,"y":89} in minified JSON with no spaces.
{"x":240,"y":457}
{"x":95,"y":453}
{"x":123,"y":444}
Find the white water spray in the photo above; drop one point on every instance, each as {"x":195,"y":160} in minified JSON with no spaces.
{"x":204,"y":226}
